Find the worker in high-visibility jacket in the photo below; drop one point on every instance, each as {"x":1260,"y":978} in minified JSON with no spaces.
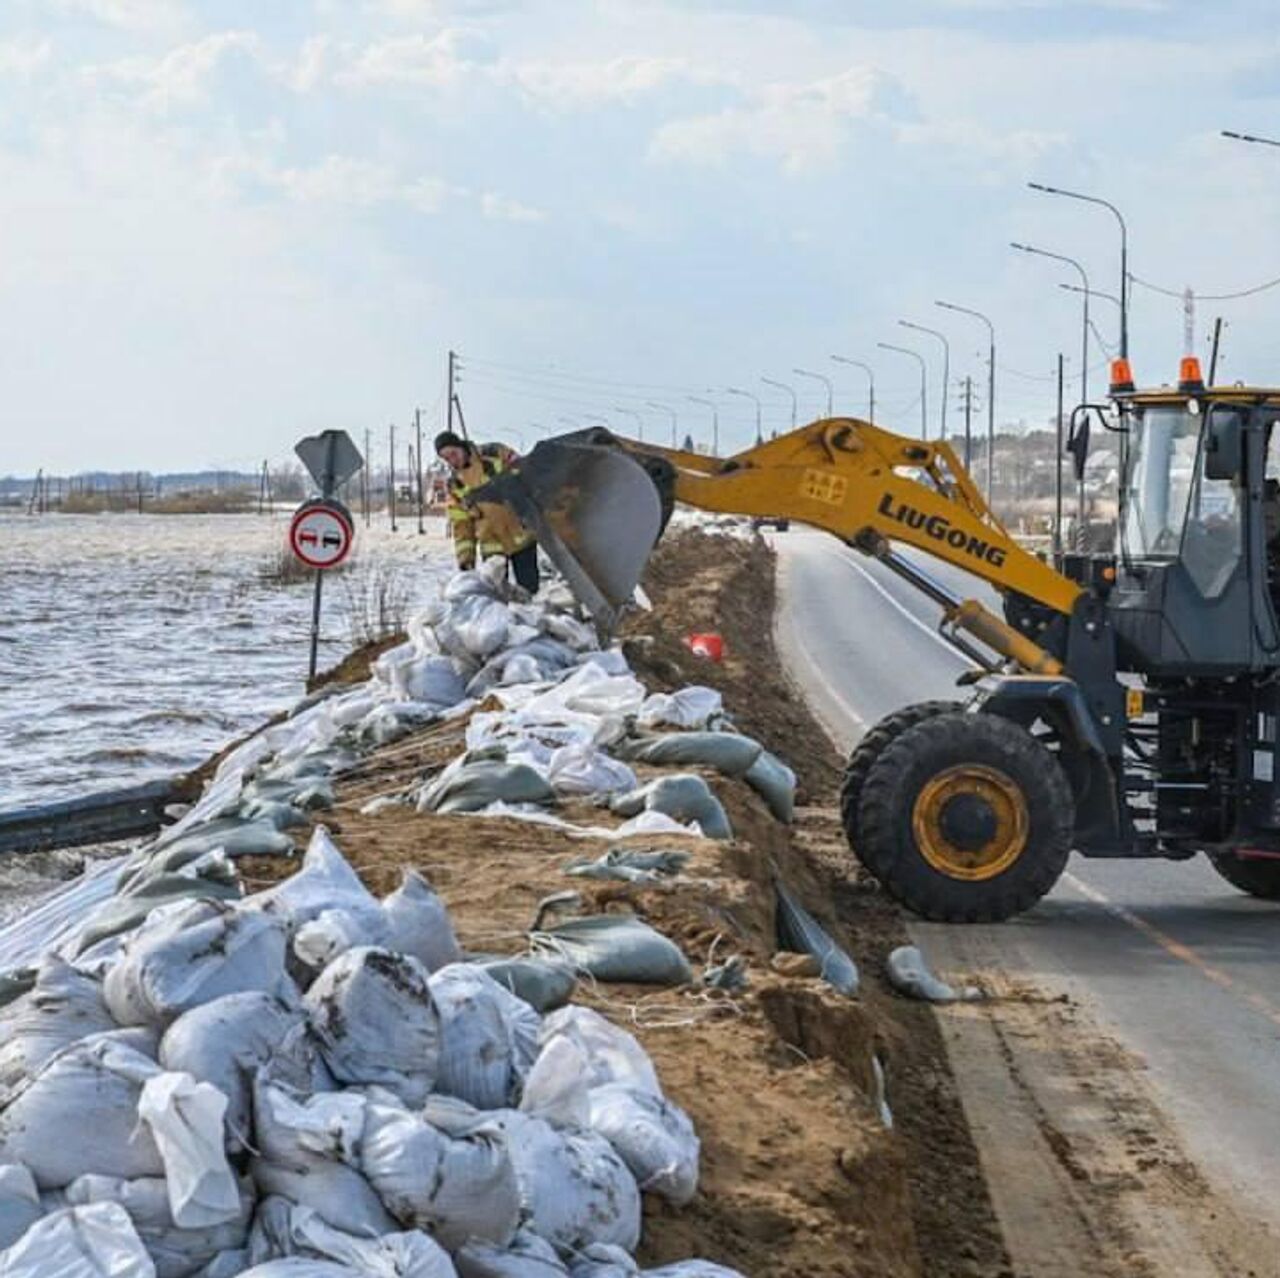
{"x":485,"y":529}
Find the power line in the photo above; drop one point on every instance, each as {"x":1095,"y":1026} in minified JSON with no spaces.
{"x":1180,"y":293}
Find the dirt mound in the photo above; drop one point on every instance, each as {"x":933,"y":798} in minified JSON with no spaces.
{"x":800,"y":1178}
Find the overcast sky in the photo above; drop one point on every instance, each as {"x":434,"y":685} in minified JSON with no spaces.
{"x":227,"y":223}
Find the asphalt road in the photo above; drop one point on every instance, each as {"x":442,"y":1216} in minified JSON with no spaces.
{"x":1168,"y":960}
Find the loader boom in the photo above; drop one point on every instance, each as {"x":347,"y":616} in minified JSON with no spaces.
{"x":863,"y":484}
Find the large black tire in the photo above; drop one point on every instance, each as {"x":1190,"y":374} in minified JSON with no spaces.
{"x":965,"y":818}
{"x":870,"y":748}
{"x":1257,"y":876}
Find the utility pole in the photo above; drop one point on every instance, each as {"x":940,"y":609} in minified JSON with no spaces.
{"x":453,"y":360}
{"x":1057,"y":483}
{"x":417,"y":427}
{"x":391,"y":478}
{"x":968,"y":422}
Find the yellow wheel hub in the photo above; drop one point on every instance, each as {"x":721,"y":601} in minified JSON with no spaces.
{"x":970,"y":822}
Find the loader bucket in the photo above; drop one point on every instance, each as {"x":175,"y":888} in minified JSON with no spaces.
{"x":596,"y":513}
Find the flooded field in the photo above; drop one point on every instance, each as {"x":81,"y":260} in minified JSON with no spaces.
{"x":131,"y":646}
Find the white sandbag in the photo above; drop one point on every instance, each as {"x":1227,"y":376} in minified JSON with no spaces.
{"x":225,"y":1043}
{"x":909,"y":973}
{"x":653,"y":1136}
{"x":62,"y":1007}
{"x":528,"y":1256}
{"x":175,"y":1251}
{"x":400,"y":1255}
{"x":447,"y":1171}
{"x":92,"y":1088}
{"x":590,"y":690}
{"x":19,"y":1203}
{"x":475,"y":626}
{"x":430,"y":679}
{"x":200,"y":953}
{"x":692,"y":1269}
{"x":576,"y":1190}
{"x":558,"y":1088}
{"x":374,"y":1017}
{"x":325,"y":881}
{"x":613,"y":1055}
{"x":419,"y":923}
{"x":602,"y":1261}
{"x":693,"y":707}
{"x":186,"y":1122}
{"x":309,"y":1154}
{"x":226,"y":1264}
{"x":333,"y":932}
{"x":488,"y":1037}
{"x":302,"y":1267}
{"x":393,"y":720}
{"x":583,"y":769}
{"x":98,"y":1241}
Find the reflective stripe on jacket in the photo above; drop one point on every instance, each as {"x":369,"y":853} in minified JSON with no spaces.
{"x":489,"y":527}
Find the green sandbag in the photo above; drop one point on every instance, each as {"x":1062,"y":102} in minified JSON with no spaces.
{"x":683,"y":797}
{"x":615,"y":947}
{"x":727,"y":752}
{"x":474,"y":786}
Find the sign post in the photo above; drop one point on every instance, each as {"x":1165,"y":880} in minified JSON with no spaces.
{"x":322,"y":531}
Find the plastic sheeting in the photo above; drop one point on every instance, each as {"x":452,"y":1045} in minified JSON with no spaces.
{"x":799,"y":931}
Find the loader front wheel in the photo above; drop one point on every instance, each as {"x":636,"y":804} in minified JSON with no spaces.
{"x":873,"y":744}
{"x":965,"y":818}
{"x":1258,"y":876}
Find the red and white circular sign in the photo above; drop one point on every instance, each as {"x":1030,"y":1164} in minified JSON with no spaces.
{"x":321,"y":533}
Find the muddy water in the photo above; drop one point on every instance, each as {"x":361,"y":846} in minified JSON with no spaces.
{"x":131,"y":646}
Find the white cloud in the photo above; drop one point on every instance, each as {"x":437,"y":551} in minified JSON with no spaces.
{"x":129,"y":15}
{"x":503,"y":209}
{"x":22,"y":59}
{"x":181,"y":76}
{"x":589,"y":83}
{"x":804,"y":125}
{"x":442,"y":61}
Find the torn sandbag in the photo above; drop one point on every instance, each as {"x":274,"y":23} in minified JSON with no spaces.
{"x":62,"y":1007}
{"x":798,"y":930}
{"x":683,"y":797}
{"x":419,"y":923}
{"x":193,"y":956}
{"x":175,"y":1251}
{"x":20,"y":1205}
{"x":615,"y":947}
{"x":528,"y":1256}
{"x":575,"y":1188}
{"x":91,"y":1087}
{"x":488,"y":1037}
{"x":225,"y":1042}
{"x":692,"y":707}
{"x":447,"y":1170}
{"x":332,"y":932}
{"x":376,"y":1022}
{"x":98,"y":1241}
{"x":909,"y":973}
{"x":472,"y":787}
{"x":633,"y":864}
{"x":545,"y":984}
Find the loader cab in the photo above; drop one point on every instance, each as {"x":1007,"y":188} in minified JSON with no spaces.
{"x":1194,"y":592}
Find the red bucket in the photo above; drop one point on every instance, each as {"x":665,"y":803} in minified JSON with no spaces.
{"x":710,"y":646}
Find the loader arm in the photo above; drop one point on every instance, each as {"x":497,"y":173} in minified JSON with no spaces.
{"x":865,"y":485}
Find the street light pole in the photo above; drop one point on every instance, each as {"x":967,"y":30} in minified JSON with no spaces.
{"x":1250,"y":137}
{"x":795,"y":402}
{"x":666,"y":408}
{"x":924,"y":383}
{"x":871,"y":383}
{"x":1124,"y":251}
{"x":946,"y":367}
{"x":1084,"y":335}
{"x":991,"y":385}
{"x":631,"y":412}
{"x":746,"y":394}
{"x":819,"y":377}
{"x":715,"y":421}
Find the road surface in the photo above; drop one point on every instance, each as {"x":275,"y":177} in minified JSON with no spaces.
{"x":1124,"y":1085}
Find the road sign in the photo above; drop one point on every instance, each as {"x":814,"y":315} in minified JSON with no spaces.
{"x":331,"y":458}
{"x":321,"y":533}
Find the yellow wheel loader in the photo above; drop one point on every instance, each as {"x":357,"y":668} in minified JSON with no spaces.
{"x":1124,"y":705}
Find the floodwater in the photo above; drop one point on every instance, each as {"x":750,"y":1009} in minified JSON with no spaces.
{"x":133,"y":646}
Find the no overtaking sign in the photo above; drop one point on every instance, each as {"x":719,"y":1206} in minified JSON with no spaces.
{"x":321,"y":533}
